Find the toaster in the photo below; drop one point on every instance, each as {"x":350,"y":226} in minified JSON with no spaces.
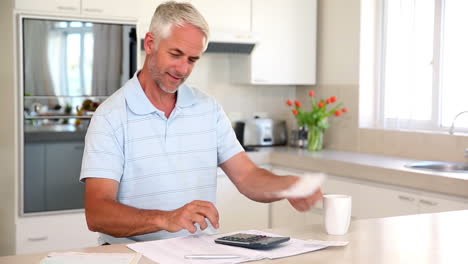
{"x":261,"y":132}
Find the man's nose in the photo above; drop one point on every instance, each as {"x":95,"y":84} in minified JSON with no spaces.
{"x":183,"y":68}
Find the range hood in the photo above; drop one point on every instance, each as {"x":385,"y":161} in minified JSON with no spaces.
{"x":231,"y":42}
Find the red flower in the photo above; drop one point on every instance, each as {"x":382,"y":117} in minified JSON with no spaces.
{"x":337,"y":112}
{"x":295,"y":112}
{"x":321,"y":104}
{"x":297,"y":103}
{"x":328,"y":101}
{"x":311,"y":93}
{"x":289,"y":102}
{"x":333,"y":99}
{"x":345,"y":110}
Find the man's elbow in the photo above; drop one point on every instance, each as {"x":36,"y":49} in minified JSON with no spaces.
{"x":93,"y":225}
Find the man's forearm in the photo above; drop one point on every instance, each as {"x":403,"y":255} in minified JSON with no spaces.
{"x":119,"y":220}
{"x":261,"y":185}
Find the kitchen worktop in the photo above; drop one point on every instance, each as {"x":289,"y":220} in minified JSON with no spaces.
{"x":425,"y":238}
{"x":46,"y":133}
{"x":376,"y":168}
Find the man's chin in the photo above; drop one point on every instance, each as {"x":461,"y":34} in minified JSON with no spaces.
{"x":171,"y":89}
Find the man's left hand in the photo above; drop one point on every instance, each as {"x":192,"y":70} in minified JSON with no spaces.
{"x":304,"y":204}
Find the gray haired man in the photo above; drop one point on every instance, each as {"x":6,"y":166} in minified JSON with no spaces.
{"x":153,"y":147}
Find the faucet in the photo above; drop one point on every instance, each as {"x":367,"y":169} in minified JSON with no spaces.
{"x":452,"y":127}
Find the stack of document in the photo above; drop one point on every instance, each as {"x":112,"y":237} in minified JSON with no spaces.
{"x":175,"y":250}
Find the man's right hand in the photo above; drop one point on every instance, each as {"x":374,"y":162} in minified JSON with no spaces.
{"x":188,"y":215}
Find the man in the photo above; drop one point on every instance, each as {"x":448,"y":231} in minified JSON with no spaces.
{"x":153,"y":147}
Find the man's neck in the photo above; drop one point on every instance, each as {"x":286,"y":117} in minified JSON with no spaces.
{"x":160,"y":99}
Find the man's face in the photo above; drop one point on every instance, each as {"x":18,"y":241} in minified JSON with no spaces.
{"x":173,"y":61}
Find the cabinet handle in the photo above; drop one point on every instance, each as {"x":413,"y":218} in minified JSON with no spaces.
{"x":35,"y":239}
{"x":94,"y":10}
{"x":405,"y":198}
{"x":427,"y":202}
{"x":67,"y":8}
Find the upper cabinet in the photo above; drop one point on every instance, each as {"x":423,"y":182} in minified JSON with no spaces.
{"x":286,"y":50}
{"x":60,"y":6}
{"x":120,"y":9}
{"x":225,"y":15}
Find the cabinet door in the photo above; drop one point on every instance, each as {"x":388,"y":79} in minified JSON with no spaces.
{"x":370,"y":201}
{"x":432,"y":204}
{"x":108,"y":8}
{"x":225,"y":15}
{"x":286,"y":51}
{"x":52,"y":233}
{"x":61,"y":6}
{"x":63,"y":166}
{"x":34,"y":178}
{"x":237,"y":212}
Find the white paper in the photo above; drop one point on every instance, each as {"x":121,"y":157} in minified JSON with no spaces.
{"x":172,"y":251}
{"x":307,"y":185}
{"x":91,"y":258}
{"x":327,"y":243}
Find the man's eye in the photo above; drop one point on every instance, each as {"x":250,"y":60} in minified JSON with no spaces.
{"x":175,"y":55}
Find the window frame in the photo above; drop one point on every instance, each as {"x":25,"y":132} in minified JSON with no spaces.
{"x":435,"y":123}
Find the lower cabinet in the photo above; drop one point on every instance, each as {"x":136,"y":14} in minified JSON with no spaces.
{"x":370,"y":200}
{"x":53,"y":232}
{"x":236,"y":211}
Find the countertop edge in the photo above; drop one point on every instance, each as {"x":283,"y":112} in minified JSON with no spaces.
{"x":373,"y":168}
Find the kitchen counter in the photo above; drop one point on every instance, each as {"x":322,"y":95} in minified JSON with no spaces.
{"x":426,"y":238}
{"x":54,"y":133}
{"x":376,"y":168}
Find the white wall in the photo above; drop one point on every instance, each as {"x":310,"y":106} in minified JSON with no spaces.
{"x":8,"y":130}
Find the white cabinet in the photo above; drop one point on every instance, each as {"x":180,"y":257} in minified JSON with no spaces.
{"x":90,"y":8}
{"x":236,"y":211}
{"x":61,"y":6}
{"x":53,"y":232}
{"x":286,"y":50}
{"x":225,"y":15}
{"x":108,"y":8}
{"x":370,"y":200}
{"x":433,"y":203}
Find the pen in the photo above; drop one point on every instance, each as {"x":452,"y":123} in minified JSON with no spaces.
{"x":211,"y":256}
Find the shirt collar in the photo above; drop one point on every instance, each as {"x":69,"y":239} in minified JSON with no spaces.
{"x":139,"y":103}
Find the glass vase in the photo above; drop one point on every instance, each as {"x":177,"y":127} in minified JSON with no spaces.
{"x":315,"y":138}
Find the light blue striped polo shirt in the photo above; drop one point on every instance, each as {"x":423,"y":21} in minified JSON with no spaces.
{"x":161,"y":163}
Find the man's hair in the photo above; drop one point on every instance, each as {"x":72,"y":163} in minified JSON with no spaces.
{"x":171,"y":14}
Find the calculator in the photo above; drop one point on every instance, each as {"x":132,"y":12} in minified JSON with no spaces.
{"x":251,"y":241}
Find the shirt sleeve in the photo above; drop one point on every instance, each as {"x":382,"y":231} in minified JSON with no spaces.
{"x":103,"y":154}
{"x":228,"y":145}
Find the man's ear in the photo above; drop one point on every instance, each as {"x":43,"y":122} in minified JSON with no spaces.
{"x":149,"y":43}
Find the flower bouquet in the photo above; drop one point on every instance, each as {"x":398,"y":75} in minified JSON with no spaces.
{"x":316,"y":120}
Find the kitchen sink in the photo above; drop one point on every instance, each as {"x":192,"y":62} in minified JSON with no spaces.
{"x":439,"y":166}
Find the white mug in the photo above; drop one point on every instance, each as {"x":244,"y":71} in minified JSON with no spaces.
{"x":337,"y":213}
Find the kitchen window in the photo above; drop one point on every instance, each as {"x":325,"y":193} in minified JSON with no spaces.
{"x":415,"y":52}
